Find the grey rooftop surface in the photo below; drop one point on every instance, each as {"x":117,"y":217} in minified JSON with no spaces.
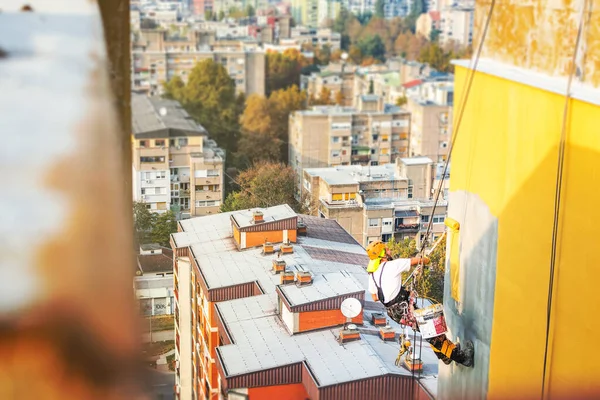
{"x":416,"y":160}
{"x":157,"y":117}
{"x":260,"y":339}
{"x":354,"y":174}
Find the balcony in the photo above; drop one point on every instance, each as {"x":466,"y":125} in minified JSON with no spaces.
{"x":184,"y":193}
{"x":407,"y":228}
{"x":208,"y":181}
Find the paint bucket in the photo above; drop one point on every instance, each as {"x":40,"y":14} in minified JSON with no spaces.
{"x":431,"y":321}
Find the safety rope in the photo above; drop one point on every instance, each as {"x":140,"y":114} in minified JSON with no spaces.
{"x":558,"y":191}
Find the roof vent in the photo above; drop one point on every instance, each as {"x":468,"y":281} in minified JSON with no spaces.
{"x":378,"y":319}
{"x":287,"y":277}
{"x":286,"y":248}
{"x":268,"y":248}
{"x":278,"y":266}
{"x":349,"y":334}
{"x":387,"y":333}
{"x":258,"y":217}
{"x":302,"y":229}
{"x":303,"y":278}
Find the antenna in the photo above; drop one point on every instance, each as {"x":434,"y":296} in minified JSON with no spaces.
{"x":350,"y":307}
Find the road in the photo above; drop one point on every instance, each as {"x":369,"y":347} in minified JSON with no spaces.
{"x":159,"y":336}
{"x":159,"y":384}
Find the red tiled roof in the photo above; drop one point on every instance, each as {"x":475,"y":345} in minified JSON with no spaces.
{"x":435,"y":15}
{"x":411,"y":84}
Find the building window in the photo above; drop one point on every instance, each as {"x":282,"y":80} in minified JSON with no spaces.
{"x":335,"y":139}
{"x":335,"y":153}
{"x":375,"y":138}
{"x":386,"y":237}
{"x":424,"y":218}
{"x":161,"y":175}
{"x":155,"y":159}
{"x":213,"y":172}
{"x":171,"y":142}
{"x":438,"y":219}
{"x":182,"y":142}
{"x":385,"y":138}
{"x":410,"y":192}
{"x":159,"y":143}
{"x":372,"y":151}
{"x":143,"y":143}
{"x":373,"y":222}
{"x":212,"y":203}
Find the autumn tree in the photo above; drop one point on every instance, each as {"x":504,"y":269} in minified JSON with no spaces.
{"x":355,"y":55}
{"x":283,"y":69}
{"x":265,"y":125}
{"x":210,"y":98}
{"x":402,"y":100}
{"x":323,"y":55}
{"x":339,"y":98}
{"x":265,"y":184}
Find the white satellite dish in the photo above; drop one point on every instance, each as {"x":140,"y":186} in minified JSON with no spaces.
{"x":163,"y":111}
{"x":351,"y":307}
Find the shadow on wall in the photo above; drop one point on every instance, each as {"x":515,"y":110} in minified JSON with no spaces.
{"x":471,"y":318}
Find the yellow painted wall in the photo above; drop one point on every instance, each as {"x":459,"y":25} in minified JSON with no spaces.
{"x":507,"y":155}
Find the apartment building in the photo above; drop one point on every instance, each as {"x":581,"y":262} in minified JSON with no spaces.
{"x":175,"y":165}
{"x":427,"y":23}
{"x":306,"y":12}
{"x":327,"y":136}
{"x":317,"y":37}
{"x":456,"y":25}
{"x":258,"y":296}
{"x":430,"y":106}
{"x":158,"y":57}
{"x":328,"y":10}
{"x":378,"y":202}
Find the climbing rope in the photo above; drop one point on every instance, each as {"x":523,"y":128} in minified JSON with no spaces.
{"x":558,"y":190}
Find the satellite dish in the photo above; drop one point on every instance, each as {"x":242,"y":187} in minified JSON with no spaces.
{"x":351,"y":307}
{"x":163,"y":111}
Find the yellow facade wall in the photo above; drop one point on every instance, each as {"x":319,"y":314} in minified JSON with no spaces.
{"x":506,"y":154}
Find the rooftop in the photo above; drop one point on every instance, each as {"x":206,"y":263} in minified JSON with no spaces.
{"x":260,"y":340}
{"x":354,"y":174}
{"x":413,"y":83}
{"x":416,"y":160}
{"x":154,"y":117}
{"x":156,"y":263}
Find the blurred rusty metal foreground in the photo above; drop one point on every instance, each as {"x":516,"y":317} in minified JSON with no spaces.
{"x":68,"y":323}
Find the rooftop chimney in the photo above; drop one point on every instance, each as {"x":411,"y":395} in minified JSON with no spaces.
{"x":287,"y":248}
{"x":387,"y":333}
{"x":268,"y":248}
{"x":278,"y":266}
{"x":302,"y":229}
{"x":258,"y":217}
{"x":287,"y":277}
{"x":303,"y":278}
{"x":378,"y":319}
{"x":349,"y":334}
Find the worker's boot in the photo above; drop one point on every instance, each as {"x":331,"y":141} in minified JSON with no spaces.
{"x":464,"y":354}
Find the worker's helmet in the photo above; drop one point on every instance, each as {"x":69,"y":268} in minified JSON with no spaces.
{"x":376,"y":250}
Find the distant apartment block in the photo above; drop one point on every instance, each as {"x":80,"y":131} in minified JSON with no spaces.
{"x":427,"y":23}
{"x":430,"y":107}
{"x":175,"y":165}
{"x":326,"y":136}
{"x":158,"y":57}
{"x":258,"y":296}
{"x":379,"y":202}
{"x":328,"y":10}
{"x":456,"y":25}
{"x":306,"y":12}
{"x":317,"y":37}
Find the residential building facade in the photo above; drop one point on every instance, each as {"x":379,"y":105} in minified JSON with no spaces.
{"x":317,"y":37}
{"x":456,"y":26}
{"x":175,"y":165}
{"x":380,"y":202}
{"x":430,"y":107}
{"x":326,"y":136}
{"x":157,"y":58}
{"x":258,"y":297}
{"x":427,"y":23}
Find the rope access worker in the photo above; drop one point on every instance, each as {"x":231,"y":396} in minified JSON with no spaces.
{"x":385,"y":285}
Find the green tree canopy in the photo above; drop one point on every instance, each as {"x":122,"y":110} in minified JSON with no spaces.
{"x":372,"y":46}
{"x":143,"y":220}
{"x":210,"y":98}
{"x":266,"y":184}
{"x":151,"y":227}
{"x":164,"y":225}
